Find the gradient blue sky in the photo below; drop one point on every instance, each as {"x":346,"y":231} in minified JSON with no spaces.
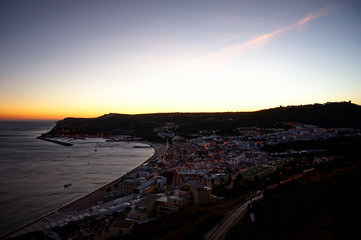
{"x":86,"y":58}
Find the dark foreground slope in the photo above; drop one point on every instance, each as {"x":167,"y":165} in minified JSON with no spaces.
{"x":324,"y":204}
{"x":343,"y":114}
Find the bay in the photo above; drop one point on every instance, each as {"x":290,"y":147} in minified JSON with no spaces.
{"x":33,"y":172}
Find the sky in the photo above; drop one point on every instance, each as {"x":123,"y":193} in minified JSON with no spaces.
{"x":87,"y":58}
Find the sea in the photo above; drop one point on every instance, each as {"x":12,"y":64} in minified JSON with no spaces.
{"x":33,"y":172}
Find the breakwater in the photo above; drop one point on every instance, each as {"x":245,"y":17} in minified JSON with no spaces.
{"x":54,"y":141}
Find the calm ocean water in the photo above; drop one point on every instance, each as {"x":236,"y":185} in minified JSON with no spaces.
{"x":33,"y":172}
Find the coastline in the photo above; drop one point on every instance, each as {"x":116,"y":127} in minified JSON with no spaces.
{"x":90,"y":199}
{"x":97,"y":195}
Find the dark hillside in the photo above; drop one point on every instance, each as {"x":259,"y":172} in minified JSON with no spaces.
{"x":324,"y":204}
{"x":342,"y":114}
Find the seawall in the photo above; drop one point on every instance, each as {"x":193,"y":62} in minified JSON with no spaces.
{"x":54,"y":141}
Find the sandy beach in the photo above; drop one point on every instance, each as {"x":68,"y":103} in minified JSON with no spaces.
{"x":98,"y":195}
{"x":87,"y":201}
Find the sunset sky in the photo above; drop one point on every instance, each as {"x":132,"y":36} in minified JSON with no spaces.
{"x":87,"y":58}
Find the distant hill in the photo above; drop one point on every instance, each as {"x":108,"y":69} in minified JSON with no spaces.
{"x":341,"y":114}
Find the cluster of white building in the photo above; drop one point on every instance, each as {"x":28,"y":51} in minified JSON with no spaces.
{"x":299,"y":132}
{"x":186,"y":172}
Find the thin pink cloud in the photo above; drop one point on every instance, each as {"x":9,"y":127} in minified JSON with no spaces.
{"x":260,"y":41}
{"x":215,"y":57}
{"x":311,"y":16}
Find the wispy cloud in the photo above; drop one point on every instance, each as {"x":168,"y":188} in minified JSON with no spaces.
{"x":311,"y":16}
{"x":259,"y":41}
{"x":231,"y":38}
{"x":223,"y":50}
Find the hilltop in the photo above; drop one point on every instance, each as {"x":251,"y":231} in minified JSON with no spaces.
{"x":341,"y":114}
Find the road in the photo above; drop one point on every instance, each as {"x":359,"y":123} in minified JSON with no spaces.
{"x":222,"y":228}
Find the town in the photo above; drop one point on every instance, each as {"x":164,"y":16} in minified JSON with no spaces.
{"x":191,"y":172}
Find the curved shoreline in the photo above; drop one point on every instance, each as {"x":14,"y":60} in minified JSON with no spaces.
{"x":89,"y":199}
{"x":97,"y":195}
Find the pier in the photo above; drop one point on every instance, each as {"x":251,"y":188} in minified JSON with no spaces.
{"x":54,"y":141}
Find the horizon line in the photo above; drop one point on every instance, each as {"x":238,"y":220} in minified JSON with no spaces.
{"x":179,"y":112}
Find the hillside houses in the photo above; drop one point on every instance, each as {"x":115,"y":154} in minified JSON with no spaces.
{"x":185,"y":174}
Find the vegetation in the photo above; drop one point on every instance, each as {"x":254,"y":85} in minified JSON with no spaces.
{"x":37,"y":235}
{"x":343,"y":114}
{"x":188,"y":223}
{"x":340,"y":146}
{"x":324,"y":204}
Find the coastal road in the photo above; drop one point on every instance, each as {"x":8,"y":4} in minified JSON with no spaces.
{"x":222,"y":228}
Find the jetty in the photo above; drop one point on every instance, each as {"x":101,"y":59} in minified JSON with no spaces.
{"x":54,"y":141}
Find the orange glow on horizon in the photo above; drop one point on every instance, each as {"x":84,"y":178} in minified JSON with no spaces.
{"x":33,"y":114}
{"x":58,"y":114}
{"x":37,"y":115}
